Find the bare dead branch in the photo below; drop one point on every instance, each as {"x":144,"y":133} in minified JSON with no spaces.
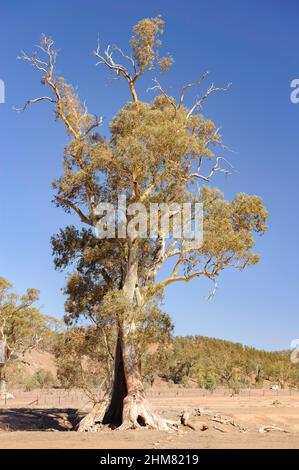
{"x":47,"y":68}
{"x":119,"y":69}
{"x":216,"y":168}
{"x":107,"y":59}
{"x":191,"y":85}
{"x":36,"y":100}
{"x":125,"y":56}
{"x":35,"y":62}
{"x":210,"y":90}
{"x":158,"y":86}
{"x":213,"y":293}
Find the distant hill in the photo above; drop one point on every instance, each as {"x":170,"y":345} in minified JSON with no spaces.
{"x":212,"y":362}
{"x":24,"y":372}
{"x":188,"y":361}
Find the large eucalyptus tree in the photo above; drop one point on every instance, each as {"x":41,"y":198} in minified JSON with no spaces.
{"x":159,"y":151}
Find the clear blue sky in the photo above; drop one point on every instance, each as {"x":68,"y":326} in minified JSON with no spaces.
{"x":254,"y":45}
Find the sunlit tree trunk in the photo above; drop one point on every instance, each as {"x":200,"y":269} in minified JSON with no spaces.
{"x":3,"y":383}
{"x":126,"y":406}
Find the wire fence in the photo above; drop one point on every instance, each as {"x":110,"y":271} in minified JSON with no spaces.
{"x":222,"y":392}
{"x":61,"y":398}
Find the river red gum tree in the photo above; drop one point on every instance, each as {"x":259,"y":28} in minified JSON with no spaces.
{"x":159,"y":151}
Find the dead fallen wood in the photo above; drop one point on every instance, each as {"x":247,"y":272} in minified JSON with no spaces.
{"x":34,"y":402}
{"x":239,"y":426}
{"x":227,"y":421}
{"x":264,"y":429}
{"x":185,"y":421}
{"x":203,"y":412}
{"x":219,"y":429}
{"x":220,"y":420}
{"x":211,"y":416}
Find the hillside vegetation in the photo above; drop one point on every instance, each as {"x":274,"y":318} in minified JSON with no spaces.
{"x":211,"y":362}
{"x":71,"y":360}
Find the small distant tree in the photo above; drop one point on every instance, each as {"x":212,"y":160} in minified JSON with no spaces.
{"x":211,"y":379}
{"x":181,"y":358}
{"x":228,"y":366}
{"x":281,"y":370}
{"x":157,"y":152}
{"x":42,"y":378}
{"x":21,"y":327}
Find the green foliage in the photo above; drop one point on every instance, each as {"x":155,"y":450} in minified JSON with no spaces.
{"x":157,"y":152}
{"x":214,"y":362}
{"x":185,"y":382}
{"x":145,"y":44}
{"x":235,"y":386}
{"x":50,"y":340}
{"x":42,"y":378}
{"x":141,"y":159}
{"x":84,"y":358}
{"x":210,"y":380}
{"x":21,"y":325}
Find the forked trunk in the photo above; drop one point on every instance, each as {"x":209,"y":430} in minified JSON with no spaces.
{"x":125,"y":406}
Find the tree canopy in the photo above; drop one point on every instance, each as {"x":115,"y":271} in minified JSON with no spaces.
{"x":22,"y":326}
{"x":159,"y":151}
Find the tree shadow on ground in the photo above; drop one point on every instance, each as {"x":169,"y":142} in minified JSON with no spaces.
{"x":38,"y":419}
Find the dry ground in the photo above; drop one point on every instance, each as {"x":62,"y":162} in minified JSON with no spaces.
{"x":49,"y":420}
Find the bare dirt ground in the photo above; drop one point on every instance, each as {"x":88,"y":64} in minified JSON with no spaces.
{"x":46,"y":420}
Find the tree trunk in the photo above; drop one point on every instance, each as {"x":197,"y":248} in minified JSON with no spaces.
{"x":125,"y":406}
{"x":3,"y":389}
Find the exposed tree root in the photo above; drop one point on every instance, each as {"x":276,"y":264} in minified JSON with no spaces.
{"x":92,"y":422}
{"x":137,"y":414}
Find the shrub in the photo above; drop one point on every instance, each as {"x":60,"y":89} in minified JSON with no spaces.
{"x":40,"y":379}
